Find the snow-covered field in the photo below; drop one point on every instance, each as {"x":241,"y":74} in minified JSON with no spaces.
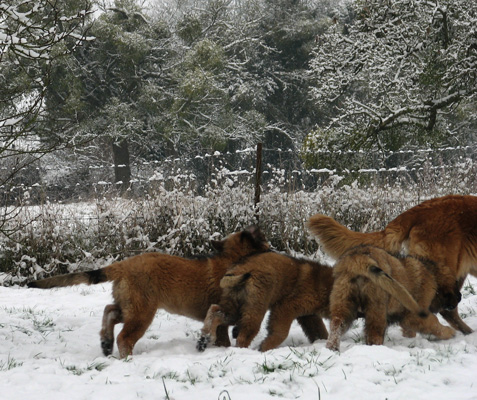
{"x":49,"y":349}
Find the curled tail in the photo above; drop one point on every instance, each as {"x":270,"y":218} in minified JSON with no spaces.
{"x":232,"y":280}
{"x":77,"y":278}
{"x":336,"y":239}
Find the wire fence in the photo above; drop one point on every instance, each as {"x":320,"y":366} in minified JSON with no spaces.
{"x":55,"y":180}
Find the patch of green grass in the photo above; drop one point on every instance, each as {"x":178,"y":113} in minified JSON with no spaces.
{"x":299,"y":362}
{"x":468,"y":289}
{"x":9,"y":364}
{"x":272,"y":392}
{"x":393,"y":372}
{"x":268,"y":367}
{"x":95,"y":366}
{"x":172,"y":375}
{"x":22,"y":329}
{"x":220,"y":367}
{"x":357,"y":337}
{"x":44,"y":325}
{"x":189,"y":378}
{"x":40,"y":321}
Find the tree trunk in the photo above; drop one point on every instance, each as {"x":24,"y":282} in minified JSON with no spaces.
{"x":122,"y":168}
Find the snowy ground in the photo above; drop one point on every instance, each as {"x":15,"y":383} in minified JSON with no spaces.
{"x":49,"y":349}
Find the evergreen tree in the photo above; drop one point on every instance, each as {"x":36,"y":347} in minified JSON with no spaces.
{"x":110,"y":89}
{"x":35,"y":36}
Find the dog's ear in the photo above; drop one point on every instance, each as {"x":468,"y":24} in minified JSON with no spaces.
{"x":254,"y":230}
{"x":218,"y":244}
{"x":255,"y":236}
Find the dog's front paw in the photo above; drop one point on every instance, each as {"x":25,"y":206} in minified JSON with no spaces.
{"x":107,"y":346}
{"x":202,"y":343}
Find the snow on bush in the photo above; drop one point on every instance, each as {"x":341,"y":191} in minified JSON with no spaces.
{"x":173,"y":218}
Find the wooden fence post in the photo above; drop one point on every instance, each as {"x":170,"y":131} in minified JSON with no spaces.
{"x":258,"y":180}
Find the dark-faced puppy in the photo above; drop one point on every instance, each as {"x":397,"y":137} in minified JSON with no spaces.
{"x":290,"y":288}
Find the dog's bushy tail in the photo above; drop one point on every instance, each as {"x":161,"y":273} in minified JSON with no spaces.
{"x":395,"y":289}
{"x":381,"y":276}
{"x":336,"y":239}
{"x":77,"y":278}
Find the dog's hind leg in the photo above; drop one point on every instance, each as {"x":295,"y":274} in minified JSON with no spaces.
{"x":313,"y":327}
{"x":446,"y":256}
{"x":454,"y":319}
{"x":452,"y":316}
{"x":112,"y":315}
{"x":214,"y":324}
{"x":428,"y":325}
{"x":278,"y":327}
{"x":134,"y":328}
{"x":343,"y":311}
{"x":338,"y":326}
{"x":222,"y":336}
{"x":249,"y":325}
{"x":375,"y":324}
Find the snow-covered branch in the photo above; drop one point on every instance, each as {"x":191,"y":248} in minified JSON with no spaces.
{"x":406,"y":63}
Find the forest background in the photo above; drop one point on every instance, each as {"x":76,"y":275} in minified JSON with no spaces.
{"x":132,"y":126}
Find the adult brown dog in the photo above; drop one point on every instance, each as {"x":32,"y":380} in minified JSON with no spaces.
{"x":290,"y":288}
{"x":443,"y":229}
{"x":144,"y":283}
{"x":371,"y":281}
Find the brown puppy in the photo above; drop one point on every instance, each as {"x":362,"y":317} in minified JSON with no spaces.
{"x":291,"y":288}
{"x":443,"y":229}
{"x":371,"y":281}
{"x":144,"y":283}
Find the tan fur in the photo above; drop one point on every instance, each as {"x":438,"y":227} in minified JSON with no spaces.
{"x":290,"y":288}
{"x":147,"y":282}
{"x":371,"y":281}
{"x":443,"y":229}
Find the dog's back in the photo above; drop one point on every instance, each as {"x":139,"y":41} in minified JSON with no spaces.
{"x":271,"y":277}
{"x":443,"y":229}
